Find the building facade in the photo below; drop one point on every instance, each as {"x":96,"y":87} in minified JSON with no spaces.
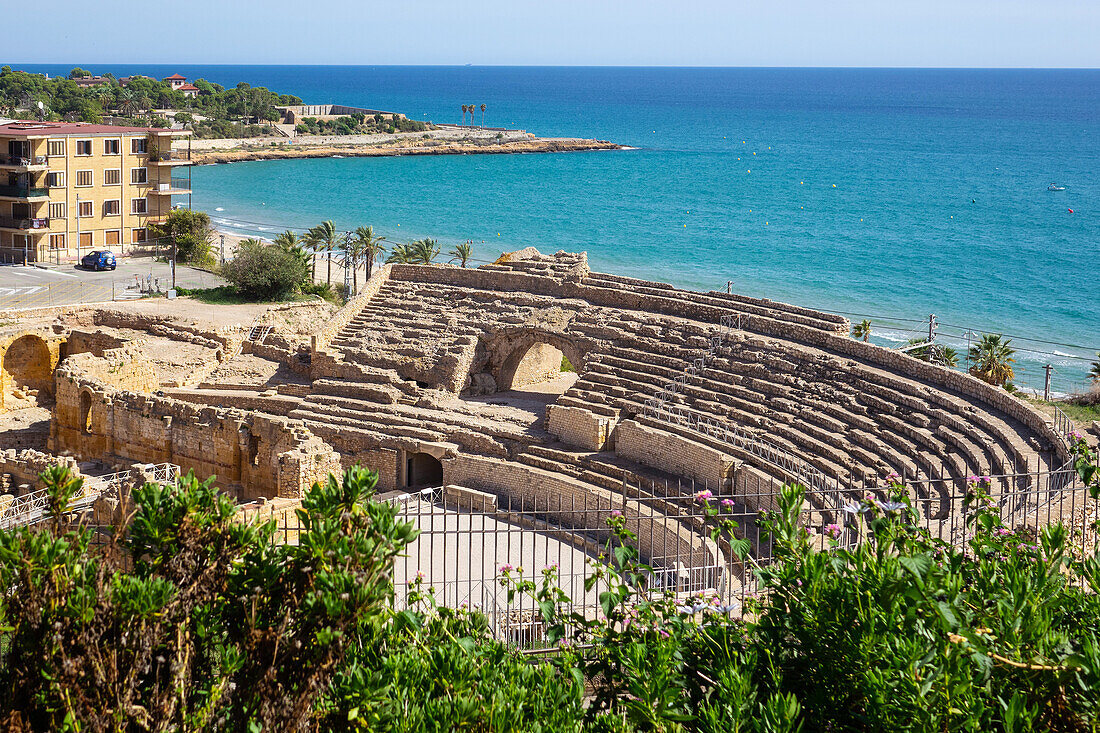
{"x":68,"y":188}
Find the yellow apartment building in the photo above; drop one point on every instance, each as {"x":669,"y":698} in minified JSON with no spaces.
{"x":69,"y":188}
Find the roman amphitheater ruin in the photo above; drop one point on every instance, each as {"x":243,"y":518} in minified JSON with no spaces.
{"x":448,"y":382}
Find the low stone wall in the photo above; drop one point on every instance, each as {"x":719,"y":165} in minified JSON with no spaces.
{"x":578,"y":427}
{"x":674,"y":454}
{"x":93,"y":342}
{"x":581,"y":507}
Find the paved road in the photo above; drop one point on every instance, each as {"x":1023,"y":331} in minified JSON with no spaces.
{"x":33,"y":287}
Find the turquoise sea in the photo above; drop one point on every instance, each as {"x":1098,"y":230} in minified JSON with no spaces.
{"x":892,"y":193}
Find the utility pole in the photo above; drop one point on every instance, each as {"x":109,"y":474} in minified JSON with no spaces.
{"x":932,"y":328}
{"x":347,"y":270}
{"x":174,"y":235}
{"x":1046,"y":384}
{"x":729,"y":287}
{"x":221,"y":249}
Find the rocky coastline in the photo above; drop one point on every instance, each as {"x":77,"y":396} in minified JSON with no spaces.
{"x":396,"y":147}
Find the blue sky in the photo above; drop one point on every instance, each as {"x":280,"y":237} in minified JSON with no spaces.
{"x":1025,"y":33}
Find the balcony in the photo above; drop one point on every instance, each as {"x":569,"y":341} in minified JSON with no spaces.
{"x":24,"y":225}
{"x":24,"y":192}
{"x":25,"y":163}
{"x":171,"y":157}
{"x":177,"y":187}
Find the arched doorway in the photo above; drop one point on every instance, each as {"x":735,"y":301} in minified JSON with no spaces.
{"x":86,"y":412}
{"x":538,"y":359}
{"x":28,"y":375}
{"x":422,"y":471}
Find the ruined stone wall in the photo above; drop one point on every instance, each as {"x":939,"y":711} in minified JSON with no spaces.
{"x":382,"y":461}
{"x":578,"y":427}
{"x":27,"y":361}
{"x":579,"y":506}
{"x":674,"y":454}
{"x":19,"y":468}
{"x":97,"y":417}
{"x":542,"y":362}
{"x":93,"y":342}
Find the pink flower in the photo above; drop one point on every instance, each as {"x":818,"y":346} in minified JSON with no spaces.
{"x":893,"y":476}
{"x":833,"y":530}
{"x":704,"y":496}
{"x":727,"y":503}
{"x":506,"y":568}
{"x":616,"y":514}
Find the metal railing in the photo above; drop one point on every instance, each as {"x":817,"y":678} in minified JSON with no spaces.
{"x":170,"y":156}
{"x":22,"y":160}
{"x":32,"y":508}
{"x":23,"y":192}
{"x":9,"y":222}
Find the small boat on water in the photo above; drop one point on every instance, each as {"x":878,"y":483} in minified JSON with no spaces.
{"x":1055,"y":187}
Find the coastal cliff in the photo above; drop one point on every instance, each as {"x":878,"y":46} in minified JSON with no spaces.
{"x":404,"y":145}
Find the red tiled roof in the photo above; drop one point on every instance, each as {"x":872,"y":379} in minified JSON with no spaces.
{"x":188,"y":88}
{"x":29,"y":128}
{"x":175,"y":76}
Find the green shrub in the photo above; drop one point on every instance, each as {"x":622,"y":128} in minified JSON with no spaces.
{"x":265,"y":271}
{"x":192,"y":233}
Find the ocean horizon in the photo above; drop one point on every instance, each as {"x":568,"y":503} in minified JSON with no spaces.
{"x":887,"y":193}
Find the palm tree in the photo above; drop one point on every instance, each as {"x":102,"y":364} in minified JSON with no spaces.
{"x":424,"y":251}
{"x":292,"y":243}
{"x":862,"y":330}
{"x":369,"y":247}
{"x":992,"y":361}
{"x":464,"y":110}
{"x":1094,"y":375}
{"x":483,"y":114}
{"x":323,"y":238}
{"x":401,"y":254}
{"x":462,"y":253}
{"x":472,"y":108}
{"x":946,"y":356}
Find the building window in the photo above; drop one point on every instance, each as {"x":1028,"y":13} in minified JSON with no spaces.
{"x":111,"y":208}
{"x":57,"y":241}
{"x":55,"y":179}
{"x":83,"y":147}
{"x":86,"y":239}
{"x":83,"y":178}
{"x":112,"y":177}
{"x":139,"y":175}
{"x":110,"y":147}
{"x":139,"y":206}
{"x":138,"y":146}
{"x":114,"y":237}
{"x":84,"y":209}
{"x":55,"y":148}
{"x":137,"y":235}
{"x":57,"y":211}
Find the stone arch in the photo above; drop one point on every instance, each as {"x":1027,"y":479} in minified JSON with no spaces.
{"x":28,"y":366}
{"x":423,"y":470}
{"x":516,"y":357}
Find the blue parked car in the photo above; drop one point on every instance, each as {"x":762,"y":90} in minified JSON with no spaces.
{"x":98,"y":260}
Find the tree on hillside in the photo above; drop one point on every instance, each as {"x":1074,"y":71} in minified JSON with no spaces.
{"x":862,"y":330}
{"x":368,"y":248}
{"x":483,"y":114}
{"x":292,"y":243}
{"x":461,"y":253}
{"x":79,"y":73}
{"x":992,"y":359}
{"x":323,"y":239}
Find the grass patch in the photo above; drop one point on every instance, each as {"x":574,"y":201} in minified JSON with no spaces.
{"x":566,"y":365}
{"x":1080,"y":413}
